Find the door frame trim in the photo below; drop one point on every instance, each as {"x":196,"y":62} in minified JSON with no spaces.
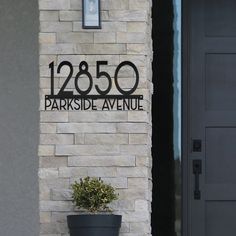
{"x":185,"y":115}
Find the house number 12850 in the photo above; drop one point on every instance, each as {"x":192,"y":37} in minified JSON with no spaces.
{"x":84,"y":71}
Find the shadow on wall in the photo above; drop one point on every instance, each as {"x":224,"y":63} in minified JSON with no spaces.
{"x":163,"y":206}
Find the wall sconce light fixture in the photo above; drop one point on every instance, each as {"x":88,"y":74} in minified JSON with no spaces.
{"x":91,"y":14}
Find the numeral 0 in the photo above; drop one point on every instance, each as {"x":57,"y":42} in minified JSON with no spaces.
{"x":126,"y":63}
{"x":83,"y":70}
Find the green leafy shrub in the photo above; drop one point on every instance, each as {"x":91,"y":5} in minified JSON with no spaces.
{"x":93,"y":195}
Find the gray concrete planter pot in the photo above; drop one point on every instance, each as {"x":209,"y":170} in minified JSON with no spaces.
{"x":94,"y":225}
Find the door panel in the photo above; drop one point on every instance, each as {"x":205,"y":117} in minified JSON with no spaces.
{"x":211,"y":117}
{"x":220,"y":18}
{"x":220,"y":81}
{"x":220,"y":155}
{"x":220,"y":218}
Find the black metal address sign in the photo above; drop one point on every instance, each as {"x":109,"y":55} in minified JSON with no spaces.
{"x":79,"y":99}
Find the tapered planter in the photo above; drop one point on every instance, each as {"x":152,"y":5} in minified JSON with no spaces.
{"x":94,"y":225}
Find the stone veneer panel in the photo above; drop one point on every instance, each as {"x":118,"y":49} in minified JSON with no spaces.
{"x":114,"y":145}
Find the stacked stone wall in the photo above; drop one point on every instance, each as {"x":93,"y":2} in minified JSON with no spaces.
{"x":114,"y":145}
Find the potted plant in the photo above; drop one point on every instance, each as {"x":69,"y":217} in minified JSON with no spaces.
{"x":93,"y":195}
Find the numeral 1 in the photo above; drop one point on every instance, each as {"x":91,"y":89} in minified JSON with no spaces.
{"x":51,"y":66}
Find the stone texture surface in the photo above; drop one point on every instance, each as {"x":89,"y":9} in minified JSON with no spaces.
{"x":113,"y":145}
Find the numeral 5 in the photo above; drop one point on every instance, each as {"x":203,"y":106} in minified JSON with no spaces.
{"x":104,"y":74}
